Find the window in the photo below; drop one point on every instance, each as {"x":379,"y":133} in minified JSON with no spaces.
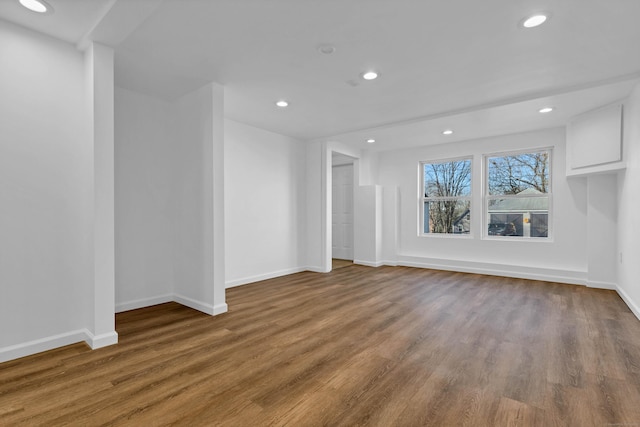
{"x":446,"y":197}
{"x":518,"y":194}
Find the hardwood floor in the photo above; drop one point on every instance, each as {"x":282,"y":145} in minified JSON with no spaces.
{"x":358,"y":346}
{"x":339,"y":263}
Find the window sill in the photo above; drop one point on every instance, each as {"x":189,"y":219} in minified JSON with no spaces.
{"x":518,"y":239}
{"x":447,"y":236}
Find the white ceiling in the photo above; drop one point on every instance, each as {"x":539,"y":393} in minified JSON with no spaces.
{"x":463,"y":64}
{"x":71,"y":20}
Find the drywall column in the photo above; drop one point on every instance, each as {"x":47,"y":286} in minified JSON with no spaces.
{"x":99,"y":78}
{"x":629,"y":206}
{"x":319,"y":182}
{"x":199,"y":276}
{"x":367,"y":210}
{"x":601,"y":226}
{"x":390,"y":215}
{"x":214,"y":185}
{"x":46,"y":194}
{"x":315,"y":202}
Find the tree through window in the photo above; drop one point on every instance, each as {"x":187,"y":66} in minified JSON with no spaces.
{"x":446,"y":197}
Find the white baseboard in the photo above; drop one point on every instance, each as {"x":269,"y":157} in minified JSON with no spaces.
{"x":144,"y":302}
{"x":369,"y":263}
{"x":220,"y":308}
{"x":102,"y":340}
{"x":376,"y":264}
{"x":635,"y":309}
{"x":521,"y":272}
{"x":161,"y":299}
{"x":98,"y":341}
{"x":196,"y":305}
{"x":315,"y":269}
{"x":601,"y":285}
{"x":43,"y":344}
{"x":260,"y":277}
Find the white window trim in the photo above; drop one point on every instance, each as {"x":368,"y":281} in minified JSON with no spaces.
{"x":422,"y":199}
{"x":486,"y":197}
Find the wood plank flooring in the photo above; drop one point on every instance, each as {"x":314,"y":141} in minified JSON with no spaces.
{"x":339,"y":263}
{"x":390,"y":346}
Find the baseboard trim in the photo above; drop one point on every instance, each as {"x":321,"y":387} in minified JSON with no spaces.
{"x":515,"y":271}
{"x":315,"y":269}
{"x":602,"y":285}
{"x":143,"y":302}
{"x":102,"y":340}
{"x":196,"y":305}
{"x":635,"y":309}
{"x":261,"y":277}
{"x":369,"y":263}
{"x":44,"y":344}
{"x":220,"y":308}
{"x":161,"y":299}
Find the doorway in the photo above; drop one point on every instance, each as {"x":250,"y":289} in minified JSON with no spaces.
{"x":342,"y":208}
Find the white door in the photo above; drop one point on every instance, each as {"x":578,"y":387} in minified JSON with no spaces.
{"x":342,"y":215}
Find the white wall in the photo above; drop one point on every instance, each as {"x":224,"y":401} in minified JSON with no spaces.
{"x":342,"y":204}
{"x":562,"y":259}
{"x":198,"y":202}
{"x":316,"y":172}
{"x":264,"y":204}
{"x":99,"y":109}
{"x":629,"y":206}
{"x":144,"y":204}
{"x":188,"y":201}
{"x":368,"y":219}
{"x":52,"y":178}
{"x":170,"y":202}
{"x":602,"y":213}
{"x":318,"y":197}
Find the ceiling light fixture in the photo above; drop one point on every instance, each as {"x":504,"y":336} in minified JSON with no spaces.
{"x":327,"y":49}
{"x":545,"y":110}
{"x":282,"y":103}
{"x":371,"y":141}
{"x":370,"y":75}
{"x":39,"y":6}
{"x":534,"y":21}
{"x":447,"y":132}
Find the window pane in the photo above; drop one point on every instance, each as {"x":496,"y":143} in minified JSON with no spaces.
{"x":518,"y":216}
{"x":524,"y":174}
{"x":505,"y":225}
{"x":448,"y":217}
{"x":447,"y":179}
{"x":539,"y":225}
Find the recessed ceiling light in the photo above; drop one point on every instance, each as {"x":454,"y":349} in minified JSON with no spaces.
{"x":327,"y":49}
{"x":545,"y":110}
{"x":534,"y":21}
{"x":370,"y":75}
{"x":39,"y":6}
{"x":282,"y":103}
{"x":447,"y":132}
{"x":371,"y":141}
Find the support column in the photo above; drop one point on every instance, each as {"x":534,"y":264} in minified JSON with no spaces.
{"x":601,"y":225}
{"x":216,"y":188}
{"x":99,"y":74}
{"x":199,"y":201}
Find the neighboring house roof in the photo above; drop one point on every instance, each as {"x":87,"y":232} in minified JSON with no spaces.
{"x":461,"y":217}
{"x":524,"y":204}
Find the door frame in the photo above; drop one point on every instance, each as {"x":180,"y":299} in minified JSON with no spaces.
{"x":328,"y":149}
{"x":348,"y":163}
